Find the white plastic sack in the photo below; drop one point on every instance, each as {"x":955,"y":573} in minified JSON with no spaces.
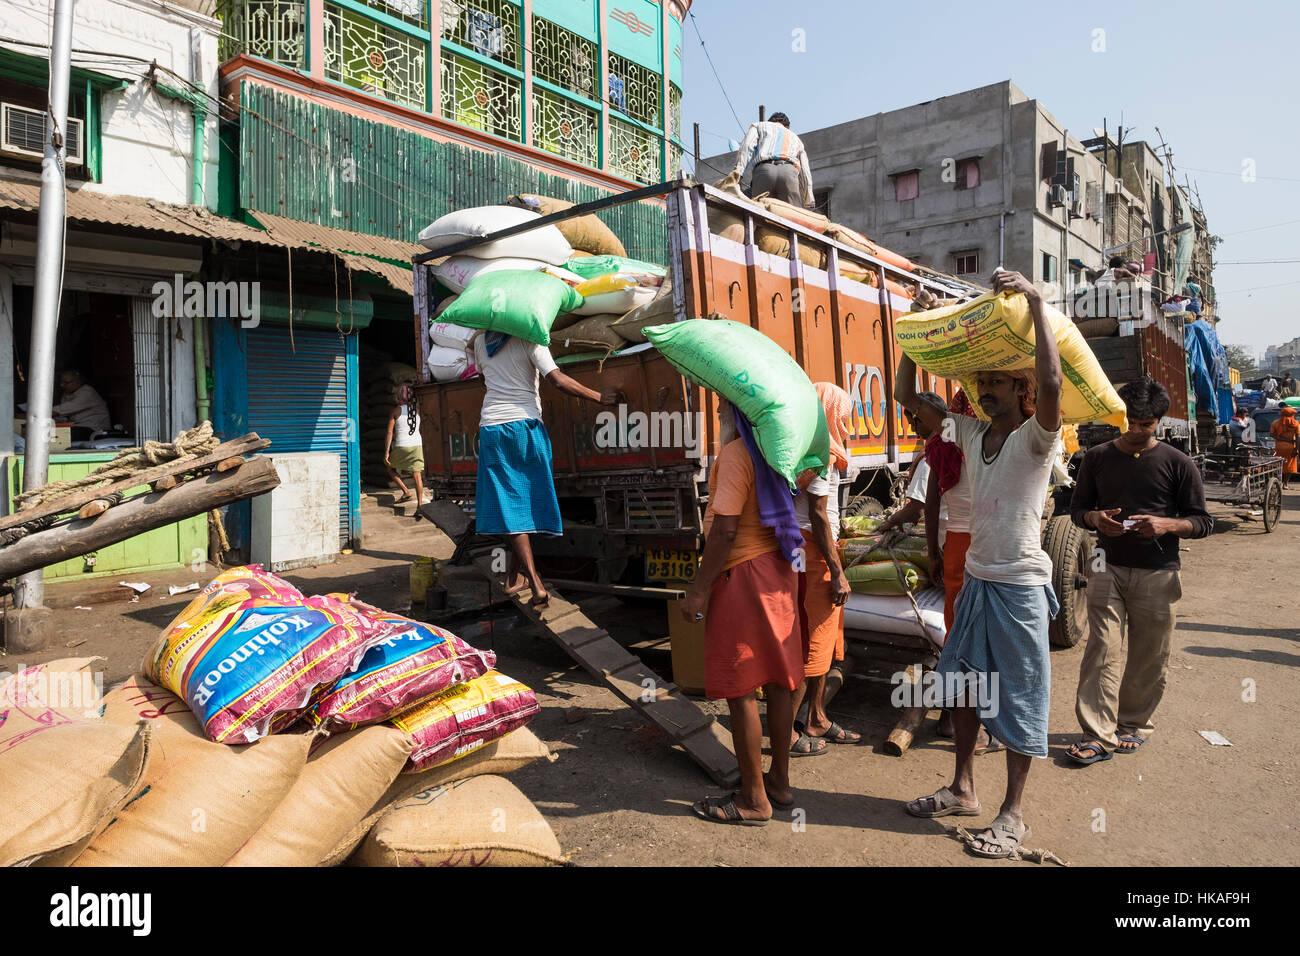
{"x":617,"y":303}
{"x":450,"y":336}
{"x":448,"y":365}
{"x":893,"y":614}
{"x":545,"y":243}
{"x":459,"y":271}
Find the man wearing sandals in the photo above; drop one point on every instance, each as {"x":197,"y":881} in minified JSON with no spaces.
{"x":998,"y":640}
{"x":1141,"y":496}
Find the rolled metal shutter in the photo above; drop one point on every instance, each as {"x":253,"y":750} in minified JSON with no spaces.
{"x":305,"y":399}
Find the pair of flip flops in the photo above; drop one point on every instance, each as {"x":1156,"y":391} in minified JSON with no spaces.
{"x":943,"y":803}
{"x":806,"y":745}
{"x":706,"y":810}
{"x":1100,"y":753}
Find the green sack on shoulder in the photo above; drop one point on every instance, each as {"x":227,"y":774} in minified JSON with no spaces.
{"x":514,"y":301}
{"x":589,"y":267}
{"x":759,"y":377}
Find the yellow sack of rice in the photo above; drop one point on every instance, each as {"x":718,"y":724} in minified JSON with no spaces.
{"x":996,"y":332}
{"x":484,"y":821}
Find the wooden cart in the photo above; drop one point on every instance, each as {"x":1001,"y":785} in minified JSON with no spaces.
{"x":1244,"y":478}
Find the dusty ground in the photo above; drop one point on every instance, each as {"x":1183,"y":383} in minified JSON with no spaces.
{"x":618,"y":795}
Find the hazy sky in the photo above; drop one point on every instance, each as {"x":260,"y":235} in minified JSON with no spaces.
{"x":1222,"y":81}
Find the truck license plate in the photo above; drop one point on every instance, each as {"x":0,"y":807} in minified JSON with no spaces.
{"x":667,"y":564}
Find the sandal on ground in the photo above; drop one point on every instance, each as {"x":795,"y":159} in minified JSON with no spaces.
{"x":806,"y":746}
{"x":704,"y":809}
{"x":779,"y":804}
{"x":402,"y":500}
{"x":1099,"y":753}
{"x":992,"y":747}
{"x":943,"y":803}
{"x":836,"y":734}
{"x":1129,"y":738}
{"x":540,"y":604}
{"x":1001,"y":833}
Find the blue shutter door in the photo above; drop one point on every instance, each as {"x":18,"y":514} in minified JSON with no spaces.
{"x":305,"y":399}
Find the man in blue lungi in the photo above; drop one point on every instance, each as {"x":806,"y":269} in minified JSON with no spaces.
{"x":516,"y":491}
{"x":995,"y":665}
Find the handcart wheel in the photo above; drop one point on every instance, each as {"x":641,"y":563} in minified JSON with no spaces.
{"x":1272,"y":504}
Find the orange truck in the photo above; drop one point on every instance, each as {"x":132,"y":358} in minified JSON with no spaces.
{"x":633,"y":508}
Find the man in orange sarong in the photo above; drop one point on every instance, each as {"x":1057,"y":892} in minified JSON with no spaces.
{"x":1286,"y":437}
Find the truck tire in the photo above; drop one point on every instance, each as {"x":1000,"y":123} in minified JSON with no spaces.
{"x":1070,"y":548}
{"x":863,"y":505}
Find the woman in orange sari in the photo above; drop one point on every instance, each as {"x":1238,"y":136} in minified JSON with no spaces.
{"x":1286,"y":435}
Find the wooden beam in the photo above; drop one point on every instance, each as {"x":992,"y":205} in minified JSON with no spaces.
{"x":136,"y":516}
{"x":618,"y":590}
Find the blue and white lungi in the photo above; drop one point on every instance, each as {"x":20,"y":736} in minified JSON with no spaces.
{"x":516,"y":488}
{"x":999,"y":635}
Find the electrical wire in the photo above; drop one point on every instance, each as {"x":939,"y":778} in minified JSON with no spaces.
{"x":696,"y":24}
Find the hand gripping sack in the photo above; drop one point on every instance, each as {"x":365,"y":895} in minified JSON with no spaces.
{"x":544,"y":243}
{"x":515,"y":302}
{"x":996,"y":332}
{"x":240,"y":663}
{"x":751,"y":371}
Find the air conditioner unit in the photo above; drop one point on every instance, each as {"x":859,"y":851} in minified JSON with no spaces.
{"x":1076,"y":207}
{"x":22,"y":134}
{"x":1056,"y":196}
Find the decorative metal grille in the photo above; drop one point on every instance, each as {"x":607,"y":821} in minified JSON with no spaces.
{"x":488,"y":27}
{"x":373,"y":58}
{"x":565,"y":59}
{"x":633,"y":153}
{"x":674,"y":160}
{"x":674,"y":111}
{"x":271,"y":29}
{"x":635,"y":90}
{"x":412,"y":11}
{"x":566,"y":128}
{"x":481,"y":97}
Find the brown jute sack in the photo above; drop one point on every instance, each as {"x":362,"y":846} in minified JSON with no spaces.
{"x":655,"y":312}
{"x":484,"y":821}
{"x":516,"y":749}
{"x":204,"y":799}
{"x":592,"y":334}
{"x":342,"y":780}
{"x":586,"y":233}
{"x":62,"y":775}
{"x":804,"y":217}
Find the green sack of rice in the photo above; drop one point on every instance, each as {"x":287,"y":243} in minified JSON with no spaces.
{"x":514,"y":301}
{"x":881,"y":577}
{"x":759,"y":377}
{"x":910,"y":549}
{"x":860,"y":524}
{"x":589,"y":267}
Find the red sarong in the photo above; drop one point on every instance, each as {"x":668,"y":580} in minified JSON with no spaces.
{"x":752,"y":635}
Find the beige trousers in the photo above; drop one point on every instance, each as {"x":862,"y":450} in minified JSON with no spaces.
{"x":1130,"y":627}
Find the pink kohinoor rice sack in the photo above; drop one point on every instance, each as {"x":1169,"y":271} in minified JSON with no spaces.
{"x":412,"y":664}
{"x":241,"y":657}
{"x":465,"y":718}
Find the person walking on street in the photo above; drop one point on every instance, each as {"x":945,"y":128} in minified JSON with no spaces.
{"x":515,"y":491}
{"x":1288,"y":387}
{"x":1286,"y":438}
{"x":1141,"y":496}
{"x":752,"y":633}
{"x":778,"y":160}
{"x":996,"y":655}
{"x":823,"y":588}
{"x":404,"y":446}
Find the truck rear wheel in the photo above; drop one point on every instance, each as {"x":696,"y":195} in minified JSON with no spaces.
{"x":1070,"y":548}
{"x":863,"y":505}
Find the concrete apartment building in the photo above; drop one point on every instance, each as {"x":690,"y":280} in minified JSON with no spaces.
{"x":964,"y":183}
{"x":1282,"y":358}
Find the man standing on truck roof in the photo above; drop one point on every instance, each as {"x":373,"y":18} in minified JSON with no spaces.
{"x":515,"y":492}
{"x":779,"y":162}
{"x":996,"y":655}
{"x":1141,"y":496}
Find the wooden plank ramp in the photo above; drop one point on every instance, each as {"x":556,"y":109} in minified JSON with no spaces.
{"x":698,"y":733}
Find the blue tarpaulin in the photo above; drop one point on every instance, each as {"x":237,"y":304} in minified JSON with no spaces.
{"x":1208,"y":363}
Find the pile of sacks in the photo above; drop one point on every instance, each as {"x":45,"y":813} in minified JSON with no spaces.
{"x":573,"y":278}
{"x":887,"y":580}
{"x":273,"y":729}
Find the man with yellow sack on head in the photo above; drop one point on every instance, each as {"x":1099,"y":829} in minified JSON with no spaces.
{"x":995,"y":666}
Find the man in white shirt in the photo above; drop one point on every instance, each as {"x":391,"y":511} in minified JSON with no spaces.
{"x":779,"y":162}
{"x":995,"y":665}
{"x":83,"y":406}
{"x":515,"y":493}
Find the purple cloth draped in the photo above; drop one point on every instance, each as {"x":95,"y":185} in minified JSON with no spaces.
{"x":775,"y":503}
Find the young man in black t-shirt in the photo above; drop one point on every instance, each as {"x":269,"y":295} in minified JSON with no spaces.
{"x":1141,"y":496}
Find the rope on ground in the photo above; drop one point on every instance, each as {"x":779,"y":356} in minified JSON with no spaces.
{"x":193,"y":443}
{"x":1019,"y":854}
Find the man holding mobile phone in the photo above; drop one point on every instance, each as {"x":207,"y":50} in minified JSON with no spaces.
{"x":1141,"y":496}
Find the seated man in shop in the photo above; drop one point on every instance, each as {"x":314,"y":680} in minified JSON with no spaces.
{"x":83,"y":406}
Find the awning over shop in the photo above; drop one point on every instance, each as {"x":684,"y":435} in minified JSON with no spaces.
{"x":357,"y":251}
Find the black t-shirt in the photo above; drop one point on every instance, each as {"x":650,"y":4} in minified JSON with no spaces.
{"x":1161,"y":481}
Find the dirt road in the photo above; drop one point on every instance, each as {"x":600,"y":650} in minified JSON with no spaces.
{"x":617,"y":795}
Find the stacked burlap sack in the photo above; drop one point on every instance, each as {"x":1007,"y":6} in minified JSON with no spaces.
{"x":381,"y":377}
{"x":892,"y":590}
{"x":274,"y":729}
{"x":573,"y":278}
